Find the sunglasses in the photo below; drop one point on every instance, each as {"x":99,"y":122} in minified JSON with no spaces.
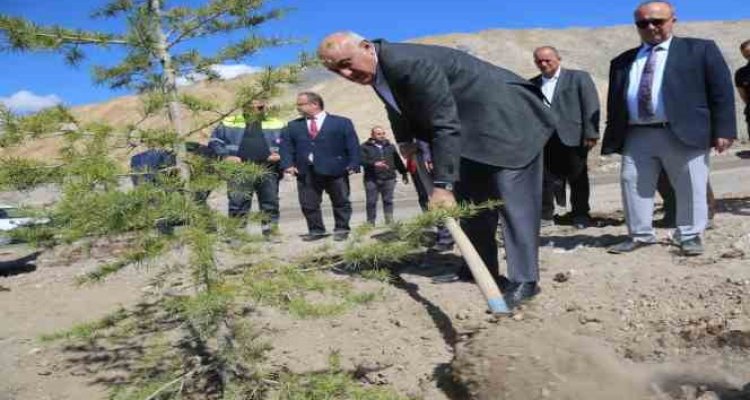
{"x":657,"y":22}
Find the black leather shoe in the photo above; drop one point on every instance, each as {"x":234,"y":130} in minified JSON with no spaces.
{"x":503,"y":283}
{"x":692,"y":247}
{"x":521,"y":292}
{"x":581,"y":221}
{"x":628,"y":246}
{"x":340,"y":237}
{"x":441,"y":248}
{"x":311,"y":237}
{"x":463,"y":275}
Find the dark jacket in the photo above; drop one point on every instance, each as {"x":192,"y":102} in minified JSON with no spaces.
{"x":250,"y":142}
{"x":576,"y":105}
{"x":463,"y":106}
{"x":147,"y":164}
{"x":697,"y":92}
{"x":335,"y":149}
{"x":372,"y":153}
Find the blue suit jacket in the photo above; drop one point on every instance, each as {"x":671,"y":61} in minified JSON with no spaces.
{"x":697,"y":91}
{"x":335,"y":149}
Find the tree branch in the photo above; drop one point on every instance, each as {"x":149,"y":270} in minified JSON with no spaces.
{"x":80,"y":39}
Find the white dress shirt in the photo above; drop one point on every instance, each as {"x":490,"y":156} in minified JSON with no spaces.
{"x":636,"y":71}
{"x":319,"y":118}
{"x":549,"y":85}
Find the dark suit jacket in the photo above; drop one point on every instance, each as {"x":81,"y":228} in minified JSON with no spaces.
{"x":697,"y":92}
{"x":576,"y":105}
{"x":335,"y":149}
{"x":464,"y":106}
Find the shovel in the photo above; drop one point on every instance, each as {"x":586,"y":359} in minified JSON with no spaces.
{"x":478,"y":269}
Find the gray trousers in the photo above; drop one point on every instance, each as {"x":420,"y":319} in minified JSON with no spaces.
{"x":647,"y":151}
{"x":379,"y":188}
{"x":521,"y":193}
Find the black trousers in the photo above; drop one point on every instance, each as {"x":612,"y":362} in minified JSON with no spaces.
{"x":520,"y":191}
{"x":310,"y":187}
{"x":565,"y":164}
{"x":240,"y":196}
{"x":375,"y":189}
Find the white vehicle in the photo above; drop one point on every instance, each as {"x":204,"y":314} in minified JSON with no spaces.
{"x":11,"y":218}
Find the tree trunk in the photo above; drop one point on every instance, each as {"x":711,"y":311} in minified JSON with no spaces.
{"x":170,"y":88}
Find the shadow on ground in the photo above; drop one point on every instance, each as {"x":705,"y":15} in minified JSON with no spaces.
{"x":11,"y":266}
{"x":570,"y":242}
{"x":734,"y":205}
{"x":680,"y":387}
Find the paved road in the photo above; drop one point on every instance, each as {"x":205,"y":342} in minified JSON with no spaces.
{"x":730,"y":176}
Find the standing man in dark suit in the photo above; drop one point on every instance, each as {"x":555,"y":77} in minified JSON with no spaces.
{"x":742,"y":80}
{"x":321,"y":150}
{"x":670,"y":100}
{"x":486,"y":126}
{"x":573,"y":98}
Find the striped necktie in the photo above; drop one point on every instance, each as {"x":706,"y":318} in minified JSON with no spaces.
{"x":645,"y":95}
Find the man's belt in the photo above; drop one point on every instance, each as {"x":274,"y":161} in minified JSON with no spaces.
{"x":662,"y":125}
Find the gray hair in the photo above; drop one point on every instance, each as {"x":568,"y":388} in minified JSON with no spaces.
{"x":313,"y":98}
{"x":349,"y":38}
{"x":672,"y":9}
{"x":352,"y":36}
{"x":548,"y":47}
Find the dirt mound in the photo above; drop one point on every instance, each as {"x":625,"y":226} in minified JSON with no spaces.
{"x":528,"y":360}
{"x":525,"y":361}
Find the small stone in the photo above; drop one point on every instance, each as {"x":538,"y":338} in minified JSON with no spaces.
{"x":35,"y":350}
{"x":518,"y":316}
{"x":572,"y":307}
{"x":462,"y":315}
{"x":545,"y":393}
{"x":561,"y":277}
{"x":709,"y":396}
{"x":588,"y":319}
{"x":45,"y":372}
{"x":689,"y":392}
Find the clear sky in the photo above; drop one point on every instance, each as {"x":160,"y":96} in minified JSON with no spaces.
{"x":28,"y":81}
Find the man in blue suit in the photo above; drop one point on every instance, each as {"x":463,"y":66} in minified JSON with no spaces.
{"x":670,"y":101}
{"x":321,"y":150}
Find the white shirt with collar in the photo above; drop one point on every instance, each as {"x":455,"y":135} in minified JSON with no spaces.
{"x":549,"y":85}
{"x":381,"y":86}
{"x":636,"y":71}
{"x":319,"y":119}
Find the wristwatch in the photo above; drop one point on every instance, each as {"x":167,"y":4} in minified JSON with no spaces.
{"x":444,"y":185}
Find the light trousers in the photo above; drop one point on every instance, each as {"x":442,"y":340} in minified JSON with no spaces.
{"x":647,"y":151}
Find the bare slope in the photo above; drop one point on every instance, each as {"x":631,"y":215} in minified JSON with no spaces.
{"x":581,"y":48}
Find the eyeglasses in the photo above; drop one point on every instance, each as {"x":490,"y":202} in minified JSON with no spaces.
{"x":656,"y":22}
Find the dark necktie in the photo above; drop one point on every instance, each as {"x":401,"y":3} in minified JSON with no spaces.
{"x":313,"y":128}
{"x":645,"y":95}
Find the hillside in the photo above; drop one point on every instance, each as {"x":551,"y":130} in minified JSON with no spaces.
{"x":581,"y":48}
